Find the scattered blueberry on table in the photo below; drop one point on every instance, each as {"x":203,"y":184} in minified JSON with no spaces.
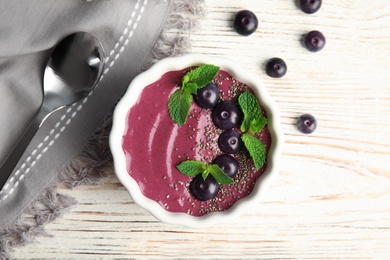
{"x":245,"y":22}
{"x":276,"y":68}
{"x":306,"y":123}
{"x":310,"y":6}
{"x":314,"y":41}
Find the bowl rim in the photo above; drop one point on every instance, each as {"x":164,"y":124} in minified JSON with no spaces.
{"x":130,"y":98}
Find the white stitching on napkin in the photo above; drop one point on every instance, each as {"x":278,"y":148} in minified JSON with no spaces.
{"x":114,"y":52}
{"x":109,"y":62}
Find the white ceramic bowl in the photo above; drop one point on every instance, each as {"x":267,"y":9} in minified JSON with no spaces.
{"x":152,"y":75}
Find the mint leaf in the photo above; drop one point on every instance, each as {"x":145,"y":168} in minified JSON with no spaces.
{"x":256,"y":149}
{"x":200,"y":76}
{"x":205,"y":174}
{"x":253,"y":121}
{"x":256,"y":125}
{"x":185,"y":80}
{"x":219,"y":175}
{"x":191,"y":168}
{"x":191,"y":88}
{"x":179,"y":105}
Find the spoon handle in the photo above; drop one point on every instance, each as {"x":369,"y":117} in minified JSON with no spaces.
{"x":14,"y":156}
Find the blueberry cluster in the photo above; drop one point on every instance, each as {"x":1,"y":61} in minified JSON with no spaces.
{"x":245,"y":23}
{"x":226,"y":115}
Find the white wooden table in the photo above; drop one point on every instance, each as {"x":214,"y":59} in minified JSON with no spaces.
{"x":332,"y":197}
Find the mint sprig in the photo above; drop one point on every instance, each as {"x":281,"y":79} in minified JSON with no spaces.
{"x":252,"y":123}
{"x":255,"y":148}
{"x":192,"y":168}
{"x":179,"y":105}
{"x":180,"y":101}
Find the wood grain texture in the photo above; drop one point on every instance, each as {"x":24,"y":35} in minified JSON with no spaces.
{"x":332,"y":197}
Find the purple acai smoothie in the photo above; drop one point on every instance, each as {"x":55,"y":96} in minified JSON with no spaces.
{"x":154,"y":145}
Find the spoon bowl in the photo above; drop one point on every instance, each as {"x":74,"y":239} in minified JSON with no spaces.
{"x":72,"y":72}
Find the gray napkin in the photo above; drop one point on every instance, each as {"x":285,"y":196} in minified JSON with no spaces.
{"x":131,"y":34}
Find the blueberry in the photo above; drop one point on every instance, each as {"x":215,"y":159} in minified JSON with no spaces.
{"x":204,"y":189}
{"x":230,"y":142}
{"x":208,"y":96}
{"x":226,"y":115}
{"x":314,"y":41}
{"x":310,"y":6}
{"x":228,"y":164}
{"x":276,"y":68}
{"x":245,"y":22}
{"x":306,"y":124}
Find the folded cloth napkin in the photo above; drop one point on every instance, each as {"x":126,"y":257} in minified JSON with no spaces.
{"x":134,"y":33}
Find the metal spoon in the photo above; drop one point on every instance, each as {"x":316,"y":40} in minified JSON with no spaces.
{"x":72,"y":72}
